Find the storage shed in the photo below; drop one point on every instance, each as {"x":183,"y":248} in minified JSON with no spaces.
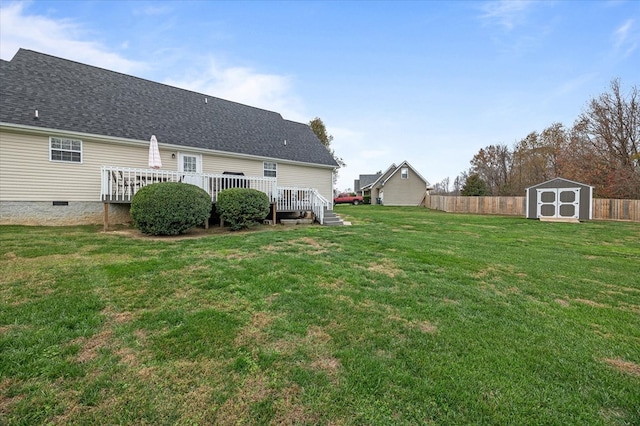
{"x":559,"y":199}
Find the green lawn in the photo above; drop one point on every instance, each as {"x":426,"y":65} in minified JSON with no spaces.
{"x":407,"y":317}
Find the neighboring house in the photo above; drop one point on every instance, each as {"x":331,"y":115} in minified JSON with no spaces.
{"x":363,"y":181}
{"x":74,"y":144}
{"x":398,"y":186}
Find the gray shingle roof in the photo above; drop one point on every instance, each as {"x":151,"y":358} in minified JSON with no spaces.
{"x":82,"y":98}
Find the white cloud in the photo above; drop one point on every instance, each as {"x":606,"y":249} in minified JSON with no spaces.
{"x":155,"y":10}
{"x":626,"y":38}
{"x":245,"y":85}
{"x":58,"y":38}
{"x":69,"y":39}
{"x":506,"y":13}
{"x":576,"y":83}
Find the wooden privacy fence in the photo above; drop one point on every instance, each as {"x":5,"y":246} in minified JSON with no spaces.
{"x":612,"y":209}
{"x":603,"y":208}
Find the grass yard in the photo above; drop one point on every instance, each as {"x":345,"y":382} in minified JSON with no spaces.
{"x":407,"y":317}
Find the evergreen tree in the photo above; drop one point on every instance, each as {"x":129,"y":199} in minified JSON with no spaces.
{"x":474,"y":186}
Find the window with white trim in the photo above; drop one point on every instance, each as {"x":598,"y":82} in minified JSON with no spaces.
{"x":270,"y":169}
{"x":404,"y":173}
{"x":67,"y":150}
{"x":189,"y":163}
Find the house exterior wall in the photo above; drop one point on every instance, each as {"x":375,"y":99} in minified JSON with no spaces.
{"x":404,"y":192}
{"x":30,"y":182}
{"x":27,"y":174}
{"x":307,"y":177}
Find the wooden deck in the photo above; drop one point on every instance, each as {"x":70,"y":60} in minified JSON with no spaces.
{"x":119,"y":185}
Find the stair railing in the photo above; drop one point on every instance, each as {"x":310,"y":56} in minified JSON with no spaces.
{"x":319,"y":204}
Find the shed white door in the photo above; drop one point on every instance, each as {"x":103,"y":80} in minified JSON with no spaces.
{"x":559,"y":202}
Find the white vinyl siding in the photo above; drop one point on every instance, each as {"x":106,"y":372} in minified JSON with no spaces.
{"x":67,"y":150}
{"x":36,"y":178}
{"x":320,"y":178}
{"x":217,"y":164}
{"x":404,"y":192}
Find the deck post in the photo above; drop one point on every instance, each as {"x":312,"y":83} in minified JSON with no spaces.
{"x":274,"y":214}
{"x":106,"y":217}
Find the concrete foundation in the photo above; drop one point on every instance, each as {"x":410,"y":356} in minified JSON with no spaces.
{"x":55,"y":213}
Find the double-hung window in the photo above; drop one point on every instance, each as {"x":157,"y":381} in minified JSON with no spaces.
{"x":270,"y":169}
{"x":404,"y":173}
{"x":67,"y":150}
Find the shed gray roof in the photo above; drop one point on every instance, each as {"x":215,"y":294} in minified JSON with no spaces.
{"x":82,"y":98}
{"x":558,"y":182}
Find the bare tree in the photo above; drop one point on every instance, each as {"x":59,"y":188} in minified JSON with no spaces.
{"x":458,"y":183}
{"x":492,"y":164}
{"x":537,"y":158}
{"x":442,"y":187}
{"x":318,"y":127}
{"x":610,"y":125}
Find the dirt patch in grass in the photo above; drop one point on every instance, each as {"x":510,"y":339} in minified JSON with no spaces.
{"x":623,"y":366}
{"x":127,"y":356}
{"x":236,"y":409}
{"x":307,"y":245}
{"x":424,"y":326}
{"x":329,"y":365}
{"x":254,"y":332}
{"x":333,"y":285}
{"x":271,"y":298}
{"x":386,"y":267}
{"x":562,"y":302}
{"x":628,"y":307}
{"x":91,"y":346}
{"x":484,"y":272}
{"x":591,"y":303}
{"x":622,"y":288}
{"x":290,"y":410}
{"x":7,"y":402}
{"x":614,"y":415}
{"x":192,"y":233}
{"x":316,"y":344}
{"x":286,"y":403}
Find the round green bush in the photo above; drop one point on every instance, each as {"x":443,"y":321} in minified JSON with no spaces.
{"x":242,"y":207}
{"x":169,"y":208}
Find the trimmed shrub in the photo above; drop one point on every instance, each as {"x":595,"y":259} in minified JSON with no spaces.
{"x":366,"y":199}
{"x":169,"y":208}
{"x":242,"y":207}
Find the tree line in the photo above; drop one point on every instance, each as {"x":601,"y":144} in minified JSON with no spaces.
{"x":600,"y":149}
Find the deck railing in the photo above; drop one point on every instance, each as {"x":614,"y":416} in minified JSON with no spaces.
{"x":119,"y":184}
{"x":319,"y":205}
{"x":302,"y":199}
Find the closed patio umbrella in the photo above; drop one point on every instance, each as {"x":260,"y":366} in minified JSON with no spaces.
{"x":154,"y":154}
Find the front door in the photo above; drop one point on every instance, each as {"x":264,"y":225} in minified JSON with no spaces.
{"x":559,"y":202}
{"x":190,"y":166}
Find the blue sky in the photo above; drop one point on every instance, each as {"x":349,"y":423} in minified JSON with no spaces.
{"x":423,"y":81}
